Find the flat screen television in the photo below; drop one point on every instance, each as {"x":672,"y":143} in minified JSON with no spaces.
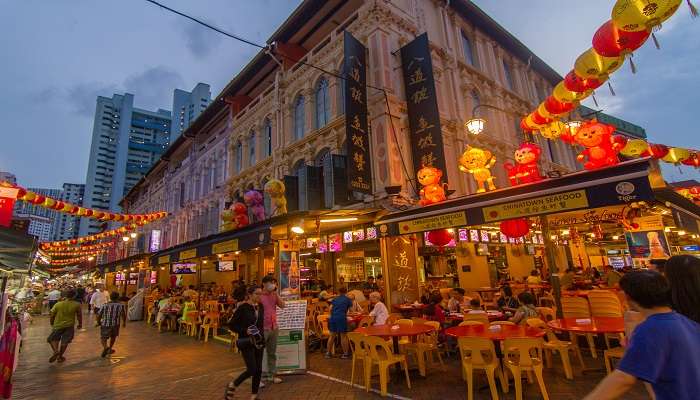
{"x":183,"y":268}
{"x":225,"y":266}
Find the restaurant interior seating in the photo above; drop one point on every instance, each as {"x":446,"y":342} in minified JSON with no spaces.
{"x":479,"y":317}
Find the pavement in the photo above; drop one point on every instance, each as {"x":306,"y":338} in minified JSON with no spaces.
{"x":152,"y":365}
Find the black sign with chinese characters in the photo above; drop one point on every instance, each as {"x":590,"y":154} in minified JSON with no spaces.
{"x":423,"y":114}
{"x":356,"y":126}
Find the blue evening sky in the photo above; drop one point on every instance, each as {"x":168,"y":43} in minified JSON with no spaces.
{"x":59,"y":55}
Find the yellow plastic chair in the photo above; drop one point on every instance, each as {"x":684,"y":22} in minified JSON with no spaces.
{"x":366,"y":321}
{"x":189,"y":322}
{"x":577,"y":307}
{"x":151,"y":314}
{"x":605,"y":303}
{"x":210,"y":322}
{"x":324,"y":332}
{"x":480,"y":353}
{"x":364,"y":305}
{"x":547,"y":313}
{"x":234,"y":338}
{"x":359,"y":353}
{"x":480,"y":317}
{"x":393,"y":317}
{"x":524,"y":354}
{"x":211,"y":306}
{"x":610,"y":354}
{"x":562,"y":347}
{"x":547,"y":300}
{"x":468,"y":323}
{"x":404,"y":340}
{"x":382,"y":356}
{"x":426,"y":345}
{"x":419,"y":321}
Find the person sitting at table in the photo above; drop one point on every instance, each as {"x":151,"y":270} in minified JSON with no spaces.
{"x":357,"y":295}
{"x":567,"y":279}
{"x":611,"y":277}
{"x":534,"y":278}
{"x":457,"y":300}
{"x":324,"y":294}
{"x":338,"y":323}
{"x":475,"y":307}
{"x":379,"y":310}
{"x":526,"y":310}
{"x":507,"y":302}
{"x":370,"y":285}
{"x":434,"y":312}
{"x":356,"y":307}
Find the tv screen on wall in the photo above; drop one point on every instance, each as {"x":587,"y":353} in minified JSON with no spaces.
{"x":225,"y":266}
{"x":183,"y":268}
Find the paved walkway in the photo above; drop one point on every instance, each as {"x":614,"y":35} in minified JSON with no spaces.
{"x":152,"y":365}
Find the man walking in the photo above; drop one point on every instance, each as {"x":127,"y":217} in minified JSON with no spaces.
{"x":63,"y":316}
{"x":110,"y":315}
{"x":270,"y":301}
{"x":98,"y":299}
{"x":53,"y":297}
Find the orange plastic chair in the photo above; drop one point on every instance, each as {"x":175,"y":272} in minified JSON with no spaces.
{"x":524,"y":354}
{"x":480,"y":353}
{"x":359,"y":353}
{"x":547,"y":313}
{"x":382,"y":356}
{"x":577,"y":307}
{"x":502,"y":323}
{"x":189,"y":322}
{"x":562,"y":347}
{"x":324,"y":332}
{"x":605,"y":303}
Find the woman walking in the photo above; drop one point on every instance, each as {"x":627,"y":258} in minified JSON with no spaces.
{"x":247,"y":322}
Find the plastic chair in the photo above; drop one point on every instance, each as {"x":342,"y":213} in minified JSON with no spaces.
{"x":577,"y":307}
{"x":210,"y":322}
{"x":553,"y":344}
{"x":480,"y":353}
{"x":382,"y":356}
{"x":419,"y":321}
{"x":366,"y":321}
{"x":524,"y":354}
{"x":393,"y":317}
{"x":427,"y":344}
{"x":605,"y":303}
{"x":234,"y":338}
{"x":480,"y":317}
{"x":468,"y":323}
{"x":547,"y":300}
{"x":364,"y":305}
{"x":324,"y":332}
{"x":211,"y":306}
{"x":359,"y":353}
{"x":404,"y":340}
{"x":150,"y":314}
{"x":547,"y":313}
{"x":189,"y":322}
{"x":610,"y":354}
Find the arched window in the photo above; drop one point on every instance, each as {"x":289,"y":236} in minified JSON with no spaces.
{"x":251,"y":148}
{"x":508,"y":73}
{"x":323,"y":104}
{"x":299,"y":118}
{"x":300,"y":165}
{"x":468,"y":50}
{"x":239,"y":156}
{"x":267,"y":137}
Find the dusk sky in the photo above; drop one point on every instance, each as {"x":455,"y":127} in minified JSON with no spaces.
{"x":58,"y":56}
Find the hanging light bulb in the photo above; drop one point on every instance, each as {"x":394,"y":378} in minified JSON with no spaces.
{"x":475,"y":125}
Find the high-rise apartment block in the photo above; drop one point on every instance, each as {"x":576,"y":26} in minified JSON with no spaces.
{"x":66,"y":226}
{"x":187,"y":106}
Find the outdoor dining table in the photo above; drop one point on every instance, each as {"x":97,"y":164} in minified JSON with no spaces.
{"x":493,"y":315}
{"x":395,"y":332}
{"x":593,"y":325}
{"x":410,"y":309}
{"x":495,"y":332}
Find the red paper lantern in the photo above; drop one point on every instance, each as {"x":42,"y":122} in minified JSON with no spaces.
{"x":440,"y":237}
{"x":656,"y":151}
{"x":693,"y":160}
{"x":21,"y":192}
{"x":515,"y":228}
{"x":620,"y":141}
{"x":524,"y":126}
{"x":575,"y":83}
{"x":539,"y":119}
{"x":38,"y":199}
{"x":74,"y":210}
{"x":609,"y":41}
{"x":557,"y":107}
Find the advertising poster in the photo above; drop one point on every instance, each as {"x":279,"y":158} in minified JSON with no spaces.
{"x":291,"y":343}
{"x":289,"y":279}
{"x":647,"y":245}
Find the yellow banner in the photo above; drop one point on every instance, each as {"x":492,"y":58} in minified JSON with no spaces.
{"x":191,"y":253}
{"x":164,"y":259}
{"x":538,"y":205}
{"x":649,"y":223}
{"x":438,"y":222}
{"x":225,"y":247}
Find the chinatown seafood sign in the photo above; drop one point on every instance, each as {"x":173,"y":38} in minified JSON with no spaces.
{"x":587,"y":217}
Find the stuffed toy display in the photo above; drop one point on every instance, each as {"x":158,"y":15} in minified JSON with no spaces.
{"x":601,"y":150}
{"x":275,"y":189}
{"x":478,"y":162}
{"x":525,"y":170}
{"x":432,"y":191}
{"x":254,"y":200}
{"x":240,"y":215}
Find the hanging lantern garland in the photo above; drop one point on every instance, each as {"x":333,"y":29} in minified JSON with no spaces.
{"x":91,"y":238}
{"x":78,"y":211}
{"x":632,"y":23}
{"x":49,"y":247}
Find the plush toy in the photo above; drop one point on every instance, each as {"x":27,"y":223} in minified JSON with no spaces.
{"x":477,"y":162}
{"x":275,"y":189}
{"x":227,"y":221}
{"x":240,"y":215}
{"x":432,"y":191}
{"x":526,"y":170}
{"x":601,"y":150}
{"x":254,"y":200}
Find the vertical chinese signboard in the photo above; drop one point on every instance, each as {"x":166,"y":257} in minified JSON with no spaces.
{"x":7,"y":203}
{"x":402,"y":269}
{"x":356,"y":126}
{"x":423,"y":114}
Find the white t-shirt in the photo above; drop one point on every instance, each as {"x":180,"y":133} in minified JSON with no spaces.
{"x":53,"y":295}
{"x":98,"y":299}
{"x":380,"y":313}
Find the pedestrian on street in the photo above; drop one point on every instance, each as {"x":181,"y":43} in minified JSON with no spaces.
{"x":247,"y":322}
{"x":270,"y":301}
{"x":53,"y":297}
{"x":63,"y":316}
{"x":110,"y":315}
{"x":97,"y":300}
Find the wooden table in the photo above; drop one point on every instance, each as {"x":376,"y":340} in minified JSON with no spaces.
{"x":493,"y":333}
{"x":593,"y":325}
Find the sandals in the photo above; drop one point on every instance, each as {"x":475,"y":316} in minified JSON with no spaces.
{"x":230,"y":391}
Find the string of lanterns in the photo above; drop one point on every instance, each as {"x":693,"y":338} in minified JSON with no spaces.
{"x":632,"y":23}
{"x":50,"y":247}
{"x":65,"y":207}
{"x":77,"y":252}
{"x":91,"y":238}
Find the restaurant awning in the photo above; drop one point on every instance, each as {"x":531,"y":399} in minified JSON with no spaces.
{"x":16,"y":249}
{"x":624,"y":183}
{"x":686,"y":214}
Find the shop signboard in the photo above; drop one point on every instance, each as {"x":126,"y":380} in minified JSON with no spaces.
{"x":359,"y":161}
{"x":291,"y":341}
{"x":228,"y":246}
{"x":437,"y":222}
{"x":402,"y":269}
{"x":539,"y":205}
{"x":164,"y":259}
{"x":648,"y":223}
{"x":186,"y":254}
{"x":154,"y":243}
{"x":423,"y":115}
{"x":648,"y":241}
{"x":595,"y":216}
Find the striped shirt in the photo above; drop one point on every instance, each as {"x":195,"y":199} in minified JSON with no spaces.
{"x":111,"y":313}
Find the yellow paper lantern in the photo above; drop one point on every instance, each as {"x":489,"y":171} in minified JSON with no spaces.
{"x":49,"y":202}
{"x":676,"y":155}
{"x":531,"y":123}
{"x":67,"y":207}
{"x":639,"y":15}
{"x":565,"y":95}
{"x":553,"y":130}
{"x":543,"y":111}
{"x":592,"y":65}
{"x":29,"y":196}
{"x":634,"y":148}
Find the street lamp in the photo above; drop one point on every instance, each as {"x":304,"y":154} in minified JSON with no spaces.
{"x":125,"y":238}
{"x":133,"y":235}
{"x":475,"y":125}
{"x":573,"y":126}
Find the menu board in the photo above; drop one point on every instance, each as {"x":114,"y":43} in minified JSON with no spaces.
{"x":293,"y":315}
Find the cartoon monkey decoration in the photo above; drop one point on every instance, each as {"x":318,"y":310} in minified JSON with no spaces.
{"x":275,"y":189}
{"x":478,"y":162}
{"x":601,"y":150}
{"x":525,"y":170}
{"x":433,"y":190}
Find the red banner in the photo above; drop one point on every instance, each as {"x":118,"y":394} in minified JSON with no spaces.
{"x":7,"y":203}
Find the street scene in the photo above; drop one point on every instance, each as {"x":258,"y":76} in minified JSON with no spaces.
{"x":350,"y":199}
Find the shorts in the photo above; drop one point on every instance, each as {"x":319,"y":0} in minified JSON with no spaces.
{"x":63,"y":335}
{"x":338,"y":325}
{"x":107,"y":332}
